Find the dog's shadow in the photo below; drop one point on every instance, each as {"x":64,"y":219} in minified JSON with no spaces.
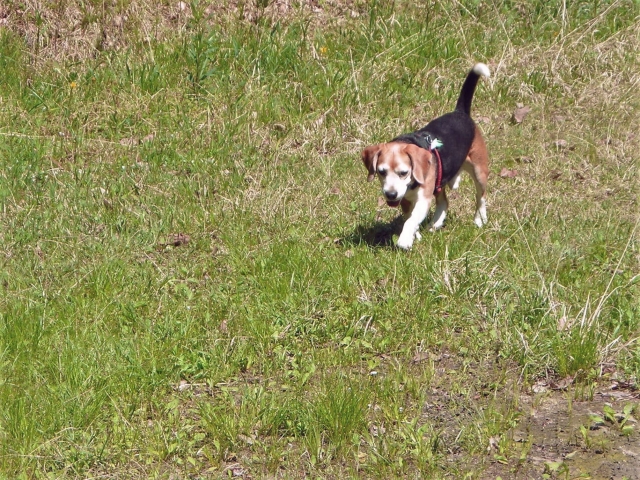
{"x":380,"y":234}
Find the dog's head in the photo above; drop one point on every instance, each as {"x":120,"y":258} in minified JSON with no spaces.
{"x":397,"y":165}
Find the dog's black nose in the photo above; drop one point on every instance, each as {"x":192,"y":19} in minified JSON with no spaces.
{"x":391,"y":195}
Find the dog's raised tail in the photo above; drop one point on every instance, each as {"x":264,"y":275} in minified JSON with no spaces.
{"x":469,"y":87}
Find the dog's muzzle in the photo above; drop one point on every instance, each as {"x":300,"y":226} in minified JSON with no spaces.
{"x":392,"y":199}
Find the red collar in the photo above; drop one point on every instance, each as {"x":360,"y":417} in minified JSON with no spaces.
{"x":439,"y":185}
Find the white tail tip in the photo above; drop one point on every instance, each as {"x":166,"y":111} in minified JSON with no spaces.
{"x":481,"y":69}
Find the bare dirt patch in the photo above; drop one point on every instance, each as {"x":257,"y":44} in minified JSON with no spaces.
{"x":563,"y":436}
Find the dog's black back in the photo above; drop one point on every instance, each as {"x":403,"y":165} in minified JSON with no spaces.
{"x":455,"y":130}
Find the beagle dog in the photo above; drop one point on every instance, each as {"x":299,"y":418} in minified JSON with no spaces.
{"x":415,"y":167}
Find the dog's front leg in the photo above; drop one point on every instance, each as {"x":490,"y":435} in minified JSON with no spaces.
{"x":411,"y":225}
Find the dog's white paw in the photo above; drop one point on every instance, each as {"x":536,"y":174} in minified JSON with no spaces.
{"x":418,"y":236}
{"x":405,"y":242}
{"x":481,"y":215}
{"x":435,"y":226}
{"x":480,"y":220}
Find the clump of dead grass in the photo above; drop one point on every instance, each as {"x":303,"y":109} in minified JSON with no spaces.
{"x":74,"y":31}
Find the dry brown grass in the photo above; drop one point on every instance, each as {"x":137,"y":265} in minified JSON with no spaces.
{"x":72,"y":31}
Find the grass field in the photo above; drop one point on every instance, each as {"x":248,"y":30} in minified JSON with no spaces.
{"x":196,"y":280}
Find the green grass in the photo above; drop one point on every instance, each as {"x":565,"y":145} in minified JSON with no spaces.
{"x":288,"y":337}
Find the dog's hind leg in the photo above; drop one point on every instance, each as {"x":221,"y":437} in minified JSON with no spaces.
{"x":477,"y":165}
{"x":479,"y":173}
{"x":481,"y":204}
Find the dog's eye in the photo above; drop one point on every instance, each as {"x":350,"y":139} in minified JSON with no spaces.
{"x":403,"y":174}
{"x":382,"y":172}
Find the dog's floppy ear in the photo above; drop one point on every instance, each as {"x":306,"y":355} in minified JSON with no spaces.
{"x":420,"y":160}
{"x":370,"y":159}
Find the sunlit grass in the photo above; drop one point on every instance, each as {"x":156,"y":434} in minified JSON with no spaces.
{"x":286,"y":336}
